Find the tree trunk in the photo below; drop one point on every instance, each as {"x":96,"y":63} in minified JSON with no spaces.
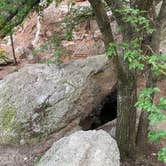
{"x":102,"y":21}
{"x":126,"y":114}
{"x":126,"y":118}
{"x":151,"y":82}
{"x":13,"y":50}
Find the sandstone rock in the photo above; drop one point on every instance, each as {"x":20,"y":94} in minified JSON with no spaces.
{"x":24,"y":53}
{"x":20,"y":52}
{"x":42,"y":99}
{"x":83,"y":148}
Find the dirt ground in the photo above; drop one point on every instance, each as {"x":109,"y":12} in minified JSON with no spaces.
{"x":27,"y":156}
{"x":149,"y":159}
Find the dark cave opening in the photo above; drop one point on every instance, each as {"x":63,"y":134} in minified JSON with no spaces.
{"x":105,"y":112}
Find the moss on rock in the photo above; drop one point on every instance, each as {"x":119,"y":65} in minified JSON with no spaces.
{"x":8,"y":115}
{"x":9,"y":127}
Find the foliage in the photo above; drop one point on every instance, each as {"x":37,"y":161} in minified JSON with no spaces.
{"x":157,"y":135}
{"x":131,"y":51}
{"x":3,"y":56}
{"x":155,"y":111}
{"x":111,"y":51}
{"x":136,"y":20}
{"x":155,"y":115}
{"x":136,"y":59}
{"x":162,"y":154}
{"x":13,"y":12}
{"x":75,"y":16}
{"x":54,"y":44}
{"x":158,"y":64}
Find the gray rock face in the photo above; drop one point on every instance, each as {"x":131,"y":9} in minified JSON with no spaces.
{"x":83,"y":148}
{"x":109,"y":127}
{"x":42,"y":99}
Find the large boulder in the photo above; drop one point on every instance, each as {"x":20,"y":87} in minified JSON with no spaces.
{"x":83,"y":148}
{"x":42,"y":99}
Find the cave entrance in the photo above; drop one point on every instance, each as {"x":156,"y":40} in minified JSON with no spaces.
{"x":105,"y":112}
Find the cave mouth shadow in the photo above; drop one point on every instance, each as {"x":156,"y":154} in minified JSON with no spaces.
{"x":106,"y":111}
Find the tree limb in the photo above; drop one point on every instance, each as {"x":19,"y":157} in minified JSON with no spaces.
{"x":14,"y":18}
{"x":11,"y":14}
{"x":114,"y":5}
{"x":144,"y":6}
{"x":103,"y":22}
{"x":151,"y":82}
{"x":160,"y":23}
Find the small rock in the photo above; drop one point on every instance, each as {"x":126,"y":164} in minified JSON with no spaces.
{"x":83,"y":148}
{"x":24,"y":53}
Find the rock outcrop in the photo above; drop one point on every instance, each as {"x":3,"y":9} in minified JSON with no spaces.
{"x":42,"y":99}
{"x":24,"y":53}
{"x":83,"y":148}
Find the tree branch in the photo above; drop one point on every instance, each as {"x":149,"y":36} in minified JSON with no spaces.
{"x":11,"y":14}
{"x":151,"y":78}
{"x":114,"y":5}
{"x":105,"y":28}
{"x":144,"y":6}
{"x":103,"y":21}
{"x":14,"y":18}
{"x":160,"y":23}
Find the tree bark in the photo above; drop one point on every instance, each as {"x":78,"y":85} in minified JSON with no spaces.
{"x":102,"y":21}
{"x":126,"y":118}
{"x":13,"y":50}
{"x":151,"y":82}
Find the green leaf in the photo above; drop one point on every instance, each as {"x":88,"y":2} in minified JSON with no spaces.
{"x":156,"y":117}
{"x":156,"y":135}
{"x":162,"y":155}
{"x":111,"y":50}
